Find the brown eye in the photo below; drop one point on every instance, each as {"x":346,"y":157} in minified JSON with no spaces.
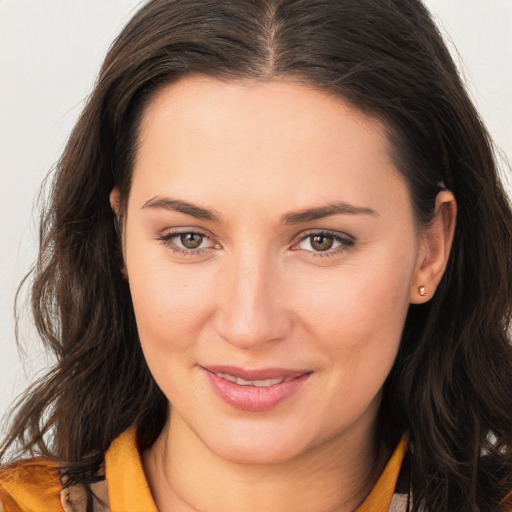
{"x":325,"y":243}
{"x":188,"y":243}
{"x":322,"y":242}
{"x":191,"y":240}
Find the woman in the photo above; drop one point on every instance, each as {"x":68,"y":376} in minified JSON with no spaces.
{"x":275,"y":272}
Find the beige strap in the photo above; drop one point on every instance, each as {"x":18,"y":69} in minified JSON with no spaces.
{"x":81,"y":498}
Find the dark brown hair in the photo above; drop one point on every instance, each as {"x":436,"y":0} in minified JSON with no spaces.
{"x":450,"y":389}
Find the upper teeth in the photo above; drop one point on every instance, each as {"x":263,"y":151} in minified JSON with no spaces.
{"x":243,"y":382}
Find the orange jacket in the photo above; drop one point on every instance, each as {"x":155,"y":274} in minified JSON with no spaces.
{"x":35,"y":486}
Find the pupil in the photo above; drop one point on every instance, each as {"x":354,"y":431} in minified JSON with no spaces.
{"x":191,"y":240}
{"x":322,"y":243}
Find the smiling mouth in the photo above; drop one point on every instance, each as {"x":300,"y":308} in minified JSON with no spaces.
{"x":255,"y":390}
{"x":265,"y":383}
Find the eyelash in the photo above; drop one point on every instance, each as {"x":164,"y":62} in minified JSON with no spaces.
{"x":168,"y":241}
{"x":345,"y":242}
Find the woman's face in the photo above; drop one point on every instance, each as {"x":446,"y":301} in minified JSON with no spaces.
{"x":271,"y":254}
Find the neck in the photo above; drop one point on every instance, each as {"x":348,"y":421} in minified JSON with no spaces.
{"x":335,"y":476}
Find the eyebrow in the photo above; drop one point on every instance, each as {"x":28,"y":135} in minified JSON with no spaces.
{"x":297,"y":217}
{"x":338,"y":208}
{"x":185,"y":207}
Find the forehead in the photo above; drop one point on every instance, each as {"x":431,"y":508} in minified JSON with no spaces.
{"x":201,"y":133}
{"x":293,"y":109}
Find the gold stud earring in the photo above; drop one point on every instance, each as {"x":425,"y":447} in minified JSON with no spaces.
{"x":422,"y":291}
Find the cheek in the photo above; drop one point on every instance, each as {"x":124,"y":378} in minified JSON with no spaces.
{"x":357,"y":311}
{"x":355,"y":321}
{"x":170,"y":302}
{"x":170,"y":310}
{"x":357,"y":301}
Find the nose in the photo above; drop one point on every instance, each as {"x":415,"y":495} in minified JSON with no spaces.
{"x":252,"y":309}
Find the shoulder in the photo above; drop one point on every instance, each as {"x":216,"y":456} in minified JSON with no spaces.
{"x":36,"y":485}
{"x":32,"y":484}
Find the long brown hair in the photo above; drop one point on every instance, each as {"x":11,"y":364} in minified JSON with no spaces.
{"x":450,"y":389}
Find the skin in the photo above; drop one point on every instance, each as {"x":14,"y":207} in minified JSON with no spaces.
{"x":257,"y":293}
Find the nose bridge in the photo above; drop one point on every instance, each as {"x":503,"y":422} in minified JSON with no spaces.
{"x":251,"y":312}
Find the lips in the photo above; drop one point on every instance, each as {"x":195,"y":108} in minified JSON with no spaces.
{"x":254,"y":390}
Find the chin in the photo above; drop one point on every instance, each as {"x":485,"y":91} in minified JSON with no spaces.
{"x":256,"y":453}
{"x":258,"y":443}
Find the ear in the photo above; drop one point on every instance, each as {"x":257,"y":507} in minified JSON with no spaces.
{"x":435,"y":245}
{"x":115,"y":201}
{"x":115,"y":204}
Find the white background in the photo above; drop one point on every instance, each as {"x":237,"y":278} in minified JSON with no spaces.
{"x":50,"y":53}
